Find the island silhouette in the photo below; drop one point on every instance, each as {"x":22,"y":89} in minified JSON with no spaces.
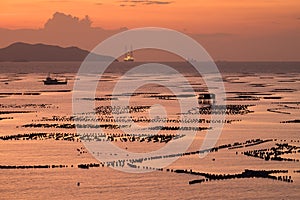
{"x":24,"y":52}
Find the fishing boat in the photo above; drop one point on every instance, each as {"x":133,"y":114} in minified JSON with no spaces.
{"x":54,"y":81}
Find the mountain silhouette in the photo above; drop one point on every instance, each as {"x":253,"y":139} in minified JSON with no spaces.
{"x":22,"y":52}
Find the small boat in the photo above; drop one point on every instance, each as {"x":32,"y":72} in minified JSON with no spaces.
{"x":51,"y":81}
{"x":129,"y":56}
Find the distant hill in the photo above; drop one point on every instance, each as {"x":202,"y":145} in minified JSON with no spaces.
{"x":23,"y":52}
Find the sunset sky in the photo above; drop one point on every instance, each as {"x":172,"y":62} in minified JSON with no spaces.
{"x":233,"y":16}
{"x":260,"y":19}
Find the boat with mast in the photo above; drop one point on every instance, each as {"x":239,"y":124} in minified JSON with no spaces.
{"x":129,"y":56}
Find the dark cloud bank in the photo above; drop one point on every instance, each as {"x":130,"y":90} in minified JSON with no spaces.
{"x":143,"y":2}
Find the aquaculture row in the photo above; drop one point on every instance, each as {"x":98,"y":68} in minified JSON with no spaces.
{"x":221,"y":110}
{"x":42,"y":136}
{"x":143,"y":119}
{"x":72,"y":126}
{"x":19,"y":93}
{"x":283,"y":107}
{"x":245,"y":174}
{"x":82,"y":166}
{"x":106,"y":110}
{"x":291,"y":121}
{"x":171,"y":97}
{"x":180,"y":128}
{"x":275,"y":153}
{"x":26,"y":105}
{"x":100,"y":99}
{"x":248,"y":143}
{"x":134,"y":94}
{"x":277,"y":110}
{"x":284,"y":90}
{"x":162,"y":138}
{"x":15,"y":111}
{"x":112,"y":126}
{"x":2,"y":118}
{"x":243,"y":98}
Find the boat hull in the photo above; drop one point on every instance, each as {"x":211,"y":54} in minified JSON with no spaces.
{"x":55,"y":82}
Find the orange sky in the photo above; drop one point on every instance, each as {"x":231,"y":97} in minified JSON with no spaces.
{"x":195,"y":16}
{"x":229,"y":29}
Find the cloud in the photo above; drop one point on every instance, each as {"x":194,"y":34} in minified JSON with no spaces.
{"x":124,"y":5}
{"x":143,"y":2}
{"x":60,"y":20}
{"x":157,"y":2}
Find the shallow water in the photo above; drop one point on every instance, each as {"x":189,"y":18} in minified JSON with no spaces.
{"x":108,"y":183}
